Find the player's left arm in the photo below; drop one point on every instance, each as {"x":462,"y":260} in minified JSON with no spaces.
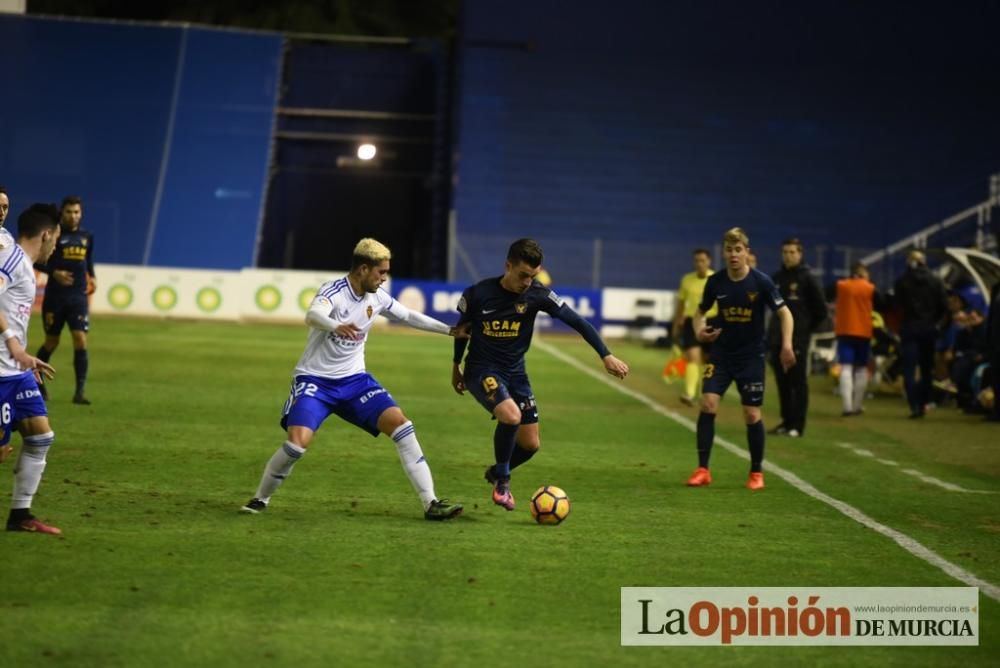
{"x":20,"y":355}
{"x":399,"y":313}
{"x":787,"y":355}
{"x":91,"y":276}
{"x":612,"y":364}
{"x":777,"y":304}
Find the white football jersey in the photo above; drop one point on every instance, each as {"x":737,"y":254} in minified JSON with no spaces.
{"x":17,"y":295}
{"x":330,"y":355}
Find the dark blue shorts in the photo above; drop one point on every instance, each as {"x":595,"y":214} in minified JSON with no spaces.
{"x":59,"y":311}
{"x":357,"y":399}
{"x":853,"y":350}
{"x":20,"y":398}
{"x":490,"y":386}
{"x":746,"y":372}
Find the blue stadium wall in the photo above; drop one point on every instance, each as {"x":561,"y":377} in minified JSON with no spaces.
{"x":655,"y":126}
{"x":164,"y":131}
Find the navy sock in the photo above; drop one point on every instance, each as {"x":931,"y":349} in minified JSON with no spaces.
{"x":43,"y":354}
{"x":706,"y":434}
{"x":80,"y":364}
{"x":520,"y":456}
{"x":504,"y":440}
{"x":755,"y":439}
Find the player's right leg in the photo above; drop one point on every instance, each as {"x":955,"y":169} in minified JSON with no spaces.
{"x":33,"y":423}
{"x":490,"y":389}
{"x":508,"y":417}
{"x":717,"y":377}
{"x":527,"y":441}
{"x":303,"y":413}
{"x":704,"y":439}
{"x":79,"y":324}
{"x":52,"y":322}
{"x":279,"y":467}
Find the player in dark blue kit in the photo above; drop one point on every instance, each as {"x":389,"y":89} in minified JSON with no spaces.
{"x":501,"y":312}
{"x":738,"y":348}
{"x":71,"y":282}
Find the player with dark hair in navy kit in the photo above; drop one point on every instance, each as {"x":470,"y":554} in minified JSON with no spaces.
{"x":71,"y":282}
{"x":738,"y":349}
{"x":502,"y":314}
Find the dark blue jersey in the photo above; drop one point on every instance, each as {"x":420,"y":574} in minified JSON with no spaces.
{"x":503,"y":321}
{"x":741,"y":311}
{"x":74,"y":253}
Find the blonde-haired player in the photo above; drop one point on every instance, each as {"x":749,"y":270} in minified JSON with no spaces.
{"x":330,"y":378}
{"x":738,"y":348}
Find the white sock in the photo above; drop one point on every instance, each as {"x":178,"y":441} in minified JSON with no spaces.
{"x":278,"y":468}
{"x":29,"y":468}
{"x":847,"y":387}
{"x":414,"y":463}
{"x":860,"y":386}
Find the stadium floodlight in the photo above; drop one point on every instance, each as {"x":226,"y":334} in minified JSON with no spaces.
{"x":367,"y":151}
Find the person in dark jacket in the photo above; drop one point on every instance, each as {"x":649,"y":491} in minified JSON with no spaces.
{"x":924,"y":301}
{"x":804,"y":297}
{"x":993,"y":351}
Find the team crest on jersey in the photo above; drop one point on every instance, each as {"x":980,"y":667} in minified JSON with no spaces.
{"x":752,"y":296}
{"x":83,"y":242}
{"x":520,"y":308}
{"x":369,"y":311}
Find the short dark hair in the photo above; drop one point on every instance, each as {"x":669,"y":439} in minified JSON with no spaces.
{"x":36,"y":219}
{"x":3,"y":191}
{"x":68,"y":200}
{"x":527,"y":251}
{"x":792,"y":241}
{"x":701,"y":251}
{"x":858,"y":267}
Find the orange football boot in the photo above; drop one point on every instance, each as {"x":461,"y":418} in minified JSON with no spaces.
{"x":701,"y":476}
{"x":755,"y":481}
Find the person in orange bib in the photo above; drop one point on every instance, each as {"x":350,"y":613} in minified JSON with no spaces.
{"x":852,"y":323}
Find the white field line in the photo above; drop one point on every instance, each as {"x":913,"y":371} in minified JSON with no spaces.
{"x":951,"y":487}
{"x":909,"y":544}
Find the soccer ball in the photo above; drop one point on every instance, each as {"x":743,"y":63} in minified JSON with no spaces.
{"x":549,"y":505}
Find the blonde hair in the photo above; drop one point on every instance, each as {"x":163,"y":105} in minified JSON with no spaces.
{"x":370,"y":252}
{"x":736,"y":235}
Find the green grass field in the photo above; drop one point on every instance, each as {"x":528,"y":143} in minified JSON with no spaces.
{"x":156,"y":567}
